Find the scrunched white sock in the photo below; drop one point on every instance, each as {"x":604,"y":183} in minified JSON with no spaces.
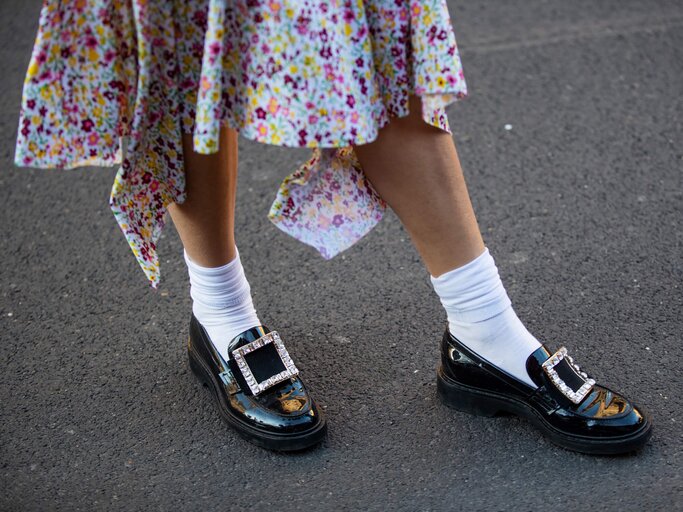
{"x":221,"y":301}
{"x":481,"y":316}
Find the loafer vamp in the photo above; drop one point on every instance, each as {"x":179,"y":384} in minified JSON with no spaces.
{"x":287,"y":407}
{"x":603,"y":413}
{"x":284,"y":409}
{"x":473,"y":384}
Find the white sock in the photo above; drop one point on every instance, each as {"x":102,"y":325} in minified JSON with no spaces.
{"x":221,"y":301}
{"x":481,"y":316}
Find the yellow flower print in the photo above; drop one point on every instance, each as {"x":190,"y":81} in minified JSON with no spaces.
{"x":32,"y":70}
{"x":205,"y":84}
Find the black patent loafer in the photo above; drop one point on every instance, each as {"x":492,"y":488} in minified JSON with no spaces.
{"x":258,"y":390}
{"x":567,"y":406}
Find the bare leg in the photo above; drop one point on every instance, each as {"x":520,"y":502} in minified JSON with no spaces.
{"x":221,"y":298}
{"x":206,"y":220}
{"x":415,"y":168}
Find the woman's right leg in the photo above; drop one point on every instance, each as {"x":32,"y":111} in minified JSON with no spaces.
{"x":221,"y":296}
{"x":284,"y":417}
{"x":206,"y":220}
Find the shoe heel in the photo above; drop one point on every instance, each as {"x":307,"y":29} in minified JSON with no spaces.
{"x":465,"y":399}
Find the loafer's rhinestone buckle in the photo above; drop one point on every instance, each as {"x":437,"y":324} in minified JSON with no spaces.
{"x":574,"y":395}
{"x":258,"y":387}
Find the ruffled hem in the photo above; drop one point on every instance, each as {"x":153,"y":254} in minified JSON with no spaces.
{"x":313,"y":203}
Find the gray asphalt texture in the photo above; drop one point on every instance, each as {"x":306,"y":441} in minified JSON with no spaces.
{"x":581,"y":204}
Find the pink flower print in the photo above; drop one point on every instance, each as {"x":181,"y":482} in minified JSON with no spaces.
{"x":199,"y":18}
{"x":87,"y":125}
{"x":302,"y":24}
{"x":338,"y":220}
{"x":349,"y":16}
{"x":323,"y":35}
{"x":214,"y":50}
{"x":90,"y":41}
{"x":117,"y":85}
{"x":93,"y":138}
{"x":109,"y":56}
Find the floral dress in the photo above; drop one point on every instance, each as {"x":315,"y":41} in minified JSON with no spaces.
{"x":117,"y":82}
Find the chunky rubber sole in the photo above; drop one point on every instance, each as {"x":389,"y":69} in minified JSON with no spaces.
{"x":486,"y":403}
{"x":278,"y":442}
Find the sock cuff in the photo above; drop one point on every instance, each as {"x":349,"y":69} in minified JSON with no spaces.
{"x":211,"y":271}
{"x":472,"y":292}
{"x":480,"y":262}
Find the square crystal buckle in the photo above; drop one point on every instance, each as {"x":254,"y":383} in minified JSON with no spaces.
{"x":257,"y":387}
{"x":549,"y":367}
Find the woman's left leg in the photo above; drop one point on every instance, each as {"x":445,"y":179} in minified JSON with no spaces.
{"x":415,"y":168}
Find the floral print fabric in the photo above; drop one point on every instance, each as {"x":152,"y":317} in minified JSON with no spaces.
{"x":117,"y":82}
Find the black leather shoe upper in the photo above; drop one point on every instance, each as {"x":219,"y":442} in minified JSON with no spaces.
{"x":601,"y":413}
{"x":284,"y":408}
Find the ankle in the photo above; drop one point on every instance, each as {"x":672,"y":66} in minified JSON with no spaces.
{"x":221,"y":301}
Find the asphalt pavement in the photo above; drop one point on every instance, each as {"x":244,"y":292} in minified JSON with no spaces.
{"x":579,"y":198}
